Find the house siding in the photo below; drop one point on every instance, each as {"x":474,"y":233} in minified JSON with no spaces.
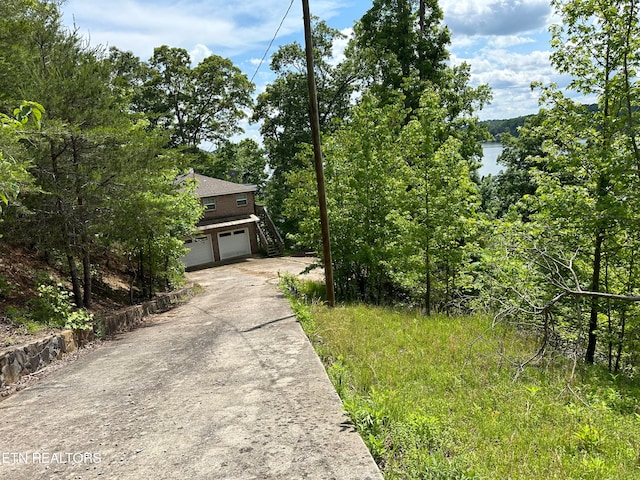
{"x":227,"y":216}
{"x":226,"y":207}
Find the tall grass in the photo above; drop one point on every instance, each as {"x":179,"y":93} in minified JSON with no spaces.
{"x":438,"y":398}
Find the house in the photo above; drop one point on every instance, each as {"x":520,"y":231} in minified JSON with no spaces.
{"x":232,"y":225}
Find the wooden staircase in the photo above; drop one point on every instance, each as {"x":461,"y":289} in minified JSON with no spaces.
{"x":268,"y":234}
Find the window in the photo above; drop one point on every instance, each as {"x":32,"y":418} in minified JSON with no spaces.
{"x":209,"y":203}
{"x":241,"y":200}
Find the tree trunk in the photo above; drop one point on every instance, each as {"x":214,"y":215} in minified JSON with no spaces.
{"x":75,"y":280}
{"x":427,"y":295}
{"x":595,"y":287}
{"x":86,"y":267}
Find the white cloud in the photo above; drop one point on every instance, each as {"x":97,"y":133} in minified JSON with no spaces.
{"x":510,"y":75}
{"x":339,"y":47}
{"x":505,"y":41}
{"x":226,"y":28}
{"x":495,"y":17}
{"x":199,"y":53}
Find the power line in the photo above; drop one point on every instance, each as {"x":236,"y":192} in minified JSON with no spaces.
{"x":272,"y":40}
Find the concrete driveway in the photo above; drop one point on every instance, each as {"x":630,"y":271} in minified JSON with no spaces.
{"x":225,"y":387}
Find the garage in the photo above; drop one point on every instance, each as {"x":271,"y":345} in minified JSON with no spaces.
{"x":234,"y":243}
{"x":200,"y":251}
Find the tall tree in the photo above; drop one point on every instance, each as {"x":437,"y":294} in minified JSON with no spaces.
{"x":400,"y":45}
{"x":79,"y":160}
{"x":366,"y":180}
{"x":14,"y":161}
{"x":401,"y":204}
{"x":200,"y":104}
{"x":283,"y":108}
{"x":584,"y":222}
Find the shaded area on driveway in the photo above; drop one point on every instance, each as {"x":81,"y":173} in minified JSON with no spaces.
{"x":224,"y":387}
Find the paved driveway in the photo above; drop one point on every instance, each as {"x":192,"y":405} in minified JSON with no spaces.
{"x":225,"y":387}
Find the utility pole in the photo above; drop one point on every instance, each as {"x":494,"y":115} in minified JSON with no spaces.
{"x":317,"y":155}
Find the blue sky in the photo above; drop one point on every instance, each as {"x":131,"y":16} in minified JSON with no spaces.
{"x":506,"y":42}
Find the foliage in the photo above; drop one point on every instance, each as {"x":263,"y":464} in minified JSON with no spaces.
{"x":21,"y":317}
{"x":400,"y":201}
{"x":578,"y":234}
{"x":243,"y":162}
{"x":520,"y":155}
{"x":14,"y":165}
{"x":398,"y":47}
{"x":508,"y":126}
{"x":283,"y":109}
{"x":199,"y":104}
{"x":54,"y":306}
{"x":96,"y":156}
{"x":433,"y":398}
{"x":153,"y":242}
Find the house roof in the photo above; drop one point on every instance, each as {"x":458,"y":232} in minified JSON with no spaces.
{"x":213,"y":187}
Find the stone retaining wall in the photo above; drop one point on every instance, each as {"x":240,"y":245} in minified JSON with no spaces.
{"x":28,"y":359}
{"x":130,"y":317}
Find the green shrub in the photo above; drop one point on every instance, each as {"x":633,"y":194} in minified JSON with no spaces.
{"x":22,"y":318}
{"x":6,"y":286}
{"x":54,"y":306}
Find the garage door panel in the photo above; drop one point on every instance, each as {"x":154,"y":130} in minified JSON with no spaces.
{"x":234,"y":243}
{"x":200,"y":251}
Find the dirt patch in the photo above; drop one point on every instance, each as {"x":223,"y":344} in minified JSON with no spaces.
{"x":22,"y":270}
{"x":11,"y":334}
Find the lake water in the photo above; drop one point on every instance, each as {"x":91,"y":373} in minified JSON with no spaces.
{"x":490,"y":151}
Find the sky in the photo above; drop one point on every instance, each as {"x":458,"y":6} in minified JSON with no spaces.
{"x":506,"y":42}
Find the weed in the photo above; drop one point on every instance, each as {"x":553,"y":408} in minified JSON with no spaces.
{"x":369,"y":417}
{"x":434,"y":399}
{"x":7,"y":287}
{"x":54,"y":306}
{"x":21,"y":317}
{"x":337,"y":372}
{"x":589,"y":438}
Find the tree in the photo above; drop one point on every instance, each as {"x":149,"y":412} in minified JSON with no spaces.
{"x":199,"y":104}
{"x":87,"y":157}
{"x":146,"y":214}
{"x":283,"y":109}
{"x":243,"y":162}
{"x":401,"y":205}
{"x":441,"y":230}
{"x":399,"y":45}
{"x":14,"y":163}
{"x":519,"y":156}
{"x":583,"y":221}
{"x":366,"y":180}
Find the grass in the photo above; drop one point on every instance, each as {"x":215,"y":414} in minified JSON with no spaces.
{"x":435,"y":398}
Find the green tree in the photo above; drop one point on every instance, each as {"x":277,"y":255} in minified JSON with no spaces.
{"x":243,"y":162}
{"x":366,"y":179}
{"x":87,"y":157}
{"x":146,"y":214}
{"x":283,"y":109}
{"x":441,"y":231}
{"x":196,"y":104}
{"x":519,"y":156}
{"x":401,"y":205}
{"x":14,"y":162}
{"x":399,"y":45}
{"x":583,"y":222}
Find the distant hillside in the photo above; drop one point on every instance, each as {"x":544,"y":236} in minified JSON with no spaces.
{"x":510,"y":125}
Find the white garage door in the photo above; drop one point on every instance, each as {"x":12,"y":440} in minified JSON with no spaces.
{"x":234,"y":243}
{"x":200,"y":251}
